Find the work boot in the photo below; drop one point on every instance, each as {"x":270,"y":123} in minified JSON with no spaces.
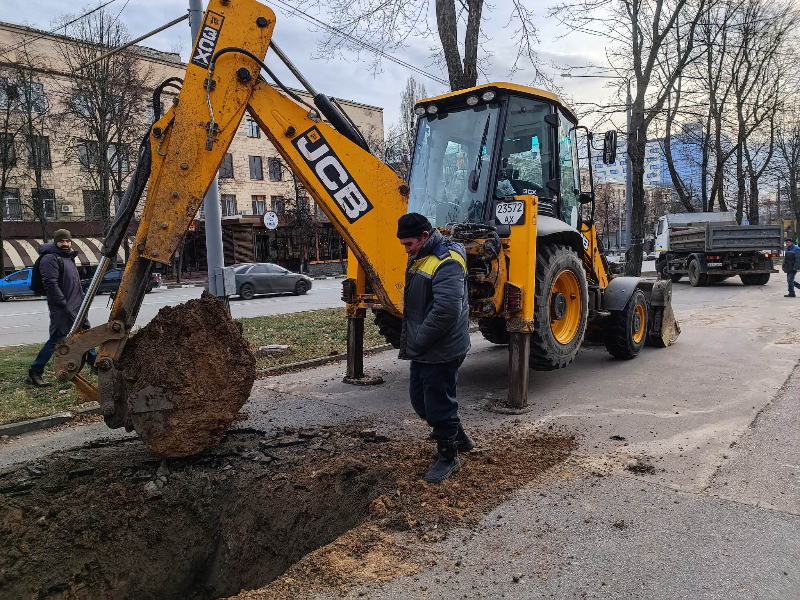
{"x":447,"y":462}
{"x":463,"y":442}
{"x":35,"y":379}
{"x":789,"y":296}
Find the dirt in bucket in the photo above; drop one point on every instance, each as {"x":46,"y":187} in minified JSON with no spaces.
{"x":187,"y":373}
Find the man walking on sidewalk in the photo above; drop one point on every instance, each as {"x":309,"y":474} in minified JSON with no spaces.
{"x":435,"y":335}
{"x":62,"y":284}
{"x":790,"y":263}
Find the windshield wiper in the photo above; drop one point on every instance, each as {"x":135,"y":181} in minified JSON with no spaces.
{"x":475,"y":176}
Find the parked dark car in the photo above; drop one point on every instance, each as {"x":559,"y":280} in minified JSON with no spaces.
{"x":266,"y":278}
{"x":16,"y":285}
{"x":112,"y":279}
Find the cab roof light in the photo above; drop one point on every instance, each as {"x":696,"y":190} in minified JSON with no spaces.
{"x":472,"y":100}
{"x":488,"y":95}
{"x":432,"y":109}
{"x":419,"y":111}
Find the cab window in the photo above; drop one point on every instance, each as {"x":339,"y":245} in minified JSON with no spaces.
{"x":568,"y":169}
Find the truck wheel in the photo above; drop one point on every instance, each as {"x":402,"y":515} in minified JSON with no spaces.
{"x":626,"y":329}
{"x":389,"y":326}
{"x":755,"y":279}
{"x":2,"y":297}
{"x":696,"y":278}
{"x":493,"y":329}
{"x":675,"y":277}
{"x":561,"y":307}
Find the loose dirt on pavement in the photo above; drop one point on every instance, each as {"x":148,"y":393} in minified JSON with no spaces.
{"x":283,"y":515}
{"x":191,"y":360}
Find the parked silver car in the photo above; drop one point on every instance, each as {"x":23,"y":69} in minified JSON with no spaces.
{"x":266,"y":278}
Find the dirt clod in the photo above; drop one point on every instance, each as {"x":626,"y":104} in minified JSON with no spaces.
{"x":187,"y":373}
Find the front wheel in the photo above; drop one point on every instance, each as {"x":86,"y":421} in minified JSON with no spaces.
{"x":301,"y":288}
{"x":2,"y":297}
{"x":561,"y":307}
{"x":626,"y":329}
{"x":247,"y":292}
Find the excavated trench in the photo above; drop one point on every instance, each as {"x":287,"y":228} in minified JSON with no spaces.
{"x":115,"y":520}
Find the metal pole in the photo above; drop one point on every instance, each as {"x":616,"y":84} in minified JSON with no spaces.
{"x":629,"y":178}
{"x":211,"y":207}
{"x":619,"y":221}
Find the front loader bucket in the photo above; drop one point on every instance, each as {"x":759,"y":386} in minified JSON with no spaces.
{"x":663,"y":329}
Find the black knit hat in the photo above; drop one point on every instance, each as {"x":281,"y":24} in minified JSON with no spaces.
{"x":412,"y":225}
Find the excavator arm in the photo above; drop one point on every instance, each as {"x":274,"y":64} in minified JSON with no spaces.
{"x":187,"y":146}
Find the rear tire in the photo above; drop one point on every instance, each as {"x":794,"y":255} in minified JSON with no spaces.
{"x":494,"y":330}
{"x":626,"y":330}
{"x":755,"y":279}
{"x":389,"y":326}
{"x":696,"y":278}
{"x":2,"y":298}
{"x":247,"y":292}
{"x":300,"y":288}
{"x":561,"y":290}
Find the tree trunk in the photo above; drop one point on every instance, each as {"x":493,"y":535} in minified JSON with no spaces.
{"x":740,"y":183}
{"x":636,"y":155}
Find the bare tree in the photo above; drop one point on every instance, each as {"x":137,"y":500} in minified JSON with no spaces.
{"x":386,"y":25}
{"x":9,"y":130}
{"x":788,"y":145}
{"x":400,"y":138}
{"x":106,"y":102}
{"x":639,"y":33}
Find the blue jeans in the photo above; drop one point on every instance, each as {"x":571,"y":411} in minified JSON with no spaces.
{"x":433,"y":395}
{"x":790,"y":275}
{"x":47,"y":352}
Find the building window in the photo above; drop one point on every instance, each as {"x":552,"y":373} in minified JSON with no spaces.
{"x":252,"y":127}
{"x":653,"y":150}
{"x":93,"y":205}
{"x":151,"y":115}
{"x":228,"y":205}
{"x":226,"y":168}
{"x":624,"y":170}
{"x":652,"y":174}
{"x":256,"y":168}
{"x":118,"y":157}
{"x":38,"y":151}
{"x":275,"y":173}
{"x":614,"y":171}
{"x":259,"y":204}
{"x":8,"y":154}
{"x":88,"y":154}
{"x":278,"y":204}
{"x":23,"y":96}
{"x":48,"y":200}
{"x":13,"y":204}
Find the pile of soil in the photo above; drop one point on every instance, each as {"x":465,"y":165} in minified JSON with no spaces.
{"x":287,"y":514}
{"x":187,"y":373}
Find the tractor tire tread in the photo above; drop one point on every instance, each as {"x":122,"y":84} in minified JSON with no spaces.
{"x":494,"y":330}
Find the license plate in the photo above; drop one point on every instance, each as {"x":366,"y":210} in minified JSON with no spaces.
{"x":509,"y":213}
{"x":713,"y":264}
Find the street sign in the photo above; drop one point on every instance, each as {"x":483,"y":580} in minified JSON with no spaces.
{"x":270,"y":220}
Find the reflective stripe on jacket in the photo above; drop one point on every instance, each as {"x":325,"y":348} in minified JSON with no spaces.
{"x":436,"y":303}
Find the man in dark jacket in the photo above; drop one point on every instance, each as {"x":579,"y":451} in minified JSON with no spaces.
{"x":435,"y":335}
{"x":790,"y":263}
{"x":64,"y":296}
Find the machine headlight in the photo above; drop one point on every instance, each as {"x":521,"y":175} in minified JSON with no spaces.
{"x":419,"y":111}
{"x":472,"y":100}
{"x":488,"y":96}
{"x":433,"y":109}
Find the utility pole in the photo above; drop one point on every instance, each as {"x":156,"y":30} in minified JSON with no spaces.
{"x":629,"y":178}
{"x":619,"y":222}
{"x":211,"y":206}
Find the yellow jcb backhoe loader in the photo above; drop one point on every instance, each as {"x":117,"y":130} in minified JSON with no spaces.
{"x":495,"y":167}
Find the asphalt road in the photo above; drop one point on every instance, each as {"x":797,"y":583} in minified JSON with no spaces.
{"x":25,"y":321}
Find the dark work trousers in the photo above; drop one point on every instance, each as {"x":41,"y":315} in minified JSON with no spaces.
{"x":790,"y":275}
{"x":433,"y":395}
{"x":47,"y":350}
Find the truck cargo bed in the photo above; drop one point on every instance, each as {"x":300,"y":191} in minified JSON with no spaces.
{"x":716,"y":237}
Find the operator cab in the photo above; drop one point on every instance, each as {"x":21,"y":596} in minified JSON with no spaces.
{"x":477,"y":147}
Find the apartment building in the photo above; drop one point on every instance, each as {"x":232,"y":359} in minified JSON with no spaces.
{"x":253,"y":179}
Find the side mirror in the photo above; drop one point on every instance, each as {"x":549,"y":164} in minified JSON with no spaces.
{"x":610,"y":147}
{"x":586,"y":198}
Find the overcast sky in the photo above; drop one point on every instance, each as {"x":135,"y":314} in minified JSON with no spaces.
{"x":347,"y":77}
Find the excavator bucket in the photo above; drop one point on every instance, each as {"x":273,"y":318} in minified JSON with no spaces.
{"x":663,"y":328}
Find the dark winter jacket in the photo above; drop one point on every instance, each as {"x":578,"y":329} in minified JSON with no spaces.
{"x":790,"y":259}
{"x":63,"y":287}
{"x":436,"y":303}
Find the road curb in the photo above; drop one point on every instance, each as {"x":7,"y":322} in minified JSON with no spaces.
{"x":14,"y":429}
